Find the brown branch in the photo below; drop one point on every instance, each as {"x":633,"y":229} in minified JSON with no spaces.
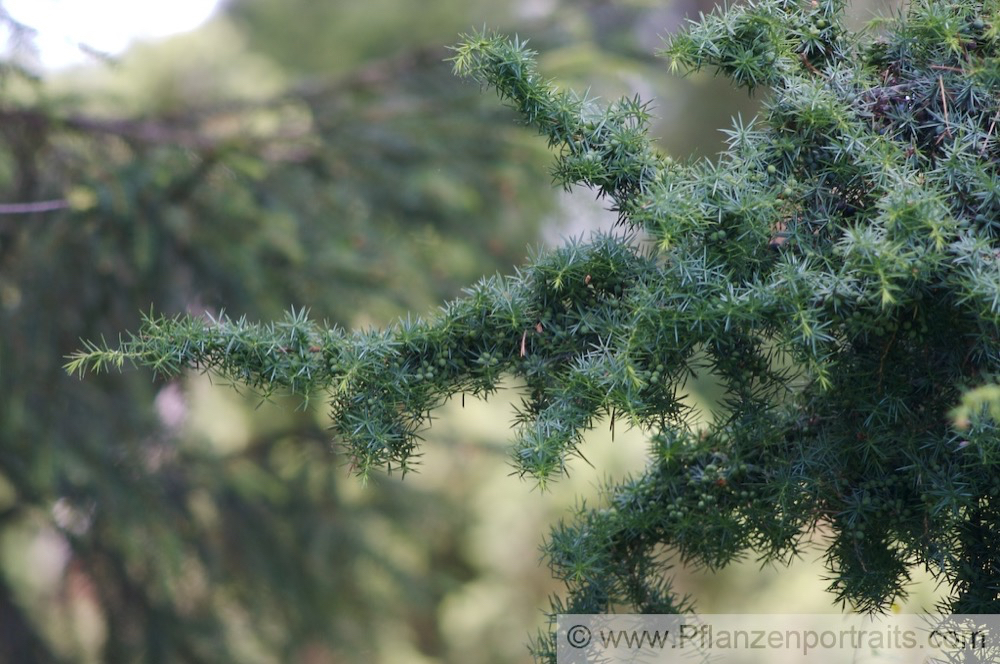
{"x":989,"y":134}
{"x":808,"y":65}
{"x":145,"y":131}
{"x":944,"y":103}
{"x":196,"y":130}
{"x":33,"y":208}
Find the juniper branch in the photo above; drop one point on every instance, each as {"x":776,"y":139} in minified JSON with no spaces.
{"x":836,"y":269}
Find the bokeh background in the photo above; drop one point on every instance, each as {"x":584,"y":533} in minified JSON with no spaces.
{"x":317,"y":155}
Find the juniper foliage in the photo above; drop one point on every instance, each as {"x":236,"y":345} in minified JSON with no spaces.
{"x":836,"y":269}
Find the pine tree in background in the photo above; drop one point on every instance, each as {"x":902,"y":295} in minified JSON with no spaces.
{"x":837,"y":270}
{"x":166,"y":548}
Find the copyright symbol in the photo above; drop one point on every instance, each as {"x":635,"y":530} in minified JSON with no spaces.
{"x":578,"y":636}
